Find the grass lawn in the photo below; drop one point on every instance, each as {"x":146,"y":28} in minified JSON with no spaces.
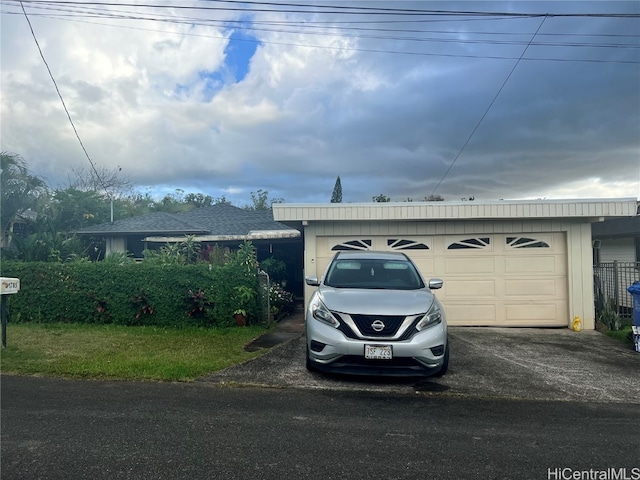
{"x":118,"y":352}
{"x":624,"y":334}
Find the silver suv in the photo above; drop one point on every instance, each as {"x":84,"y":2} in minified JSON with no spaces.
{"x":373,"y":314}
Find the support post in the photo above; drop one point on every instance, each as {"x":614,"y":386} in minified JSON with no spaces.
{"x":3,"y":314}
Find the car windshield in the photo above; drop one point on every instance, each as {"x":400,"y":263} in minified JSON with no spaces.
{"x":373,"y":273}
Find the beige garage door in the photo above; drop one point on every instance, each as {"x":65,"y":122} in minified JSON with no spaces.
{"x":490,"y":280}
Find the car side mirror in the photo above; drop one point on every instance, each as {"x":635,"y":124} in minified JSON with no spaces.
{"x":435,"y":283}
{"x":312,"y":281}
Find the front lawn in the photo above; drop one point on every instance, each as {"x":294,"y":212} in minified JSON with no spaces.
{"x":624,"y":334}
{"x":120,"y":352}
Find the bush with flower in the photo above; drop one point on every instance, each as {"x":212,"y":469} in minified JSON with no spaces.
{"x":282,"y":302}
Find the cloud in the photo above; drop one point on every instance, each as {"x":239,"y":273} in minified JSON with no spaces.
{"x":387,"y":105}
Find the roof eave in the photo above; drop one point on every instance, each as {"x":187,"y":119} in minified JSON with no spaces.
{"x":253,"y":235}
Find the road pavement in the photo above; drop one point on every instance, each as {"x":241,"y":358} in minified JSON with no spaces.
{"x":73,"y":429}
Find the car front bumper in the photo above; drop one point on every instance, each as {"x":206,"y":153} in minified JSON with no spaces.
{"x":330,"y":350}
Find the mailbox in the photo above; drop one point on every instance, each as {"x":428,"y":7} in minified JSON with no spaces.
{"x":8,"y":286}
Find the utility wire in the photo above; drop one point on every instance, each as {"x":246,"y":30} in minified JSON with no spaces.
{"x":487,"y":110}
{"x":337,"y":9}
{"x":371,"y":50}
{"x":88,"y":11}
{"x":55,"y":84}
{"x":121,"y":14}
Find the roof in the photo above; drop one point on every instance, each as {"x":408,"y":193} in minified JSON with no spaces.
{"x":218,"y":221}
{"x":617,"y":227}
{"x":588,"y":210}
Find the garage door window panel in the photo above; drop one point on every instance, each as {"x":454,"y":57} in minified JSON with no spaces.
{"x":525,"y":242}
{"x":470,"y":244}
{"x":405,"y":244}
{"x":363,"y":244}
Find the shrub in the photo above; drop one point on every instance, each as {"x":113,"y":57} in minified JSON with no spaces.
{"x":276,"y":269}
{"x":128,"y":293}
{"x":282,"y":302}
{"x":608,"y":316}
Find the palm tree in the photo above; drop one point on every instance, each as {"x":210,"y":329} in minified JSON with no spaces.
{"x":19,"y":191}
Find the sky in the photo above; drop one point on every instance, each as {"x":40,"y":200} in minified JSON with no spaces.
{"x":469,"y":99}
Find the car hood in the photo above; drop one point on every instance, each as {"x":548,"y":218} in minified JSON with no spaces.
{"x":376,"y":302}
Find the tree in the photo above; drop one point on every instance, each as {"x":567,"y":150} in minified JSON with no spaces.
{"x":173,"y":203}
{"x":198,"y":200}
{"x":336,"y":196}
{"x":20,"y":191}
{"x":260,"y":200}
{"x":381,"y":198}
{"x":72,"y":209}
{"x":221,"y":201}
{"x":100,"y":180}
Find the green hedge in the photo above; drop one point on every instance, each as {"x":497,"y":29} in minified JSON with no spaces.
{"x":128,"y":294}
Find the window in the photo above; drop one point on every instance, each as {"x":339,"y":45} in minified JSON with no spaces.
{"x":397,"y":244}
{"x":352,"y":245}
{"x":524,"y":242}
{"x":470,"y":243}
{"x":374,"y":274}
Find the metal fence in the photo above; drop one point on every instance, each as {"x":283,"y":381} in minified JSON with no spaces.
{"x":610,"y":283}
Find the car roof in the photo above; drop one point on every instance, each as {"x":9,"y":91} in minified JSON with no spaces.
{"x":371,"y":255}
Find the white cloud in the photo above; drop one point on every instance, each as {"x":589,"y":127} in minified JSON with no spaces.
{"x":158,"y":100}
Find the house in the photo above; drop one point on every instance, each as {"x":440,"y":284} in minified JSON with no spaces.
{"x":221,"y":224}
{"x":616,"y":240}
{"x":616,"y":261}
{"x":504,"y":263}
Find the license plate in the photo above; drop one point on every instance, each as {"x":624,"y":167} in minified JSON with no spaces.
{"x":378,"y":352}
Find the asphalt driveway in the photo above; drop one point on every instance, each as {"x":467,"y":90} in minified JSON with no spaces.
{"x":515,"y":363}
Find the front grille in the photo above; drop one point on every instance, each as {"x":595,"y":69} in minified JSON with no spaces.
{"x":391,"y":325}
{"x":363,"y":322}
{"x":344,"y":328}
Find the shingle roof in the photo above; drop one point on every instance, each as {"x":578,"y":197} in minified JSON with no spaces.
{"x":218,"y":219}
{"x":617,"y":227}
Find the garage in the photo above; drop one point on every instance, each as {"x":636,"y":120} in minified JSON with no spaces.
{"x":521,"y":264}
{"x":489,"y":279}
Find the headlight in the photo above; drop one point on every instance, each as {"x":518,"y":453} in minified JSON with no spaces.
{"x":321,"y":312}
{"x":431,"y":318}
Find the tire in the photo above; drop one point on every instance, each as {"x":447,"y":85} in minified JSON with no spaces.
{"x":309,"y":363}
{"x":445,"y":363}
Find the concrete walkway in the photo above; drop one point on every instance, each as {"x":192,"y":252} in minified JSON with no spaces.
{"x":287,"y":329}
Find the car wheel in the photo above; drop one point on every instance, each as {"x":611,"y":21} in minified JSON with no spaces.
{"x":445,"y":363}
{"x":309,"y":363}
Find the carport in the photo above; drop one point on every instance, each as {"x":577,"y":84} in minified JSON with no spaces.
{"x":504,"y":263}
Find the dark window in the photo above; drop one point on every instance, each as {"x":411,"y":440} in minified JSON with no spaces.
{"x":524,"y":242}
{"x":353,"y":245}
{"x":397,"y":244}
{"x":481,"y":242}
{"x":135,"y":245}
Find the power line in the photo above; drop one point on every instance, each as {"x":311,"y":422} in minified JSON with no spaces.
{"x":336,"y":9}
{"x":55,"y":84}
{"x":191,"y":21}
{"x":487,"y":110}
